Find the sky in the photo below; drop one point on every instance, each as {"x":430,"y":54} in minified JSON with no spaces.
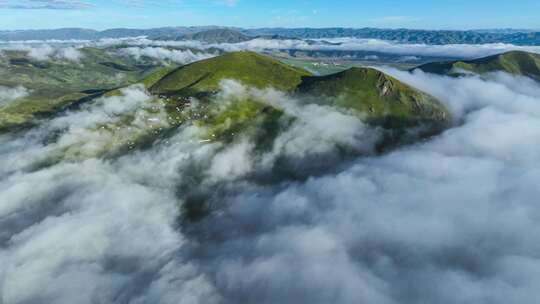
{"x":425,"y":14}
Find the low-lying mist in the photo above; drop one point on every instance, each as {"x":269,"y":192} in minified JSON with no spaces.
{"x":451,"y":219}
{"x":8,"y":94}
{"x":164,"y":50}
{"x":464,"y":51}
{"x":44,"y":52}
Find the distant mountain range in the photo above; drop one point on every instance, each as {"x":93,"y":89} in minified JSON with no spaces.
{"x":408,"y":36}
{"x":89,"y":34}
{"x":217,"y":34}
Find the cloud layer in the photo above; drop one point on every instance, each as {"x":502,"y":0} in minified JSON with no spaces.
{"x":44,"y":52}
{"x":370,"y":48}
{"x":453,"y":213}
{"x":163,"y":54}
{"x":347,"y":44}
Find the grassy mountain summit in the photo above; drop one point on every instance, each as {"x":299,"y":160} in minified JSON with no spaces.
{"x":250,"y":68}
{"x":514,"y":62}
{"x":377,"y":97}
{"x":368,"y":91}
{"x":380,"y":97}
{"x":373,"y":96}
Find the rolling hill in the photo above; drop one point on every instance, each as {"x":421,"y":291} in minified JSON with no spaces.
{"x":380,"y":97}
{"x":55,"y":83}
{"x":375,"y":97}
{"x":515,"y":62}
{"x":247,"y":67}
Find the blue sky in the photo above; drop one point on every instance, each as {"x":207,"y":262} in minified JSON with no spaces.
{"x":429,"y":14}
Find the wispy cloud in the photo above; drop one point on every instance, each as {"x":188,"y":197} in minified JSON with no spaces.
{"x":45,"y":4}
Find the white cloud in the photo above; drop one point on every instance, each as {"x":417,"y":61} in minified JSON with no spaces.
{"x":163,"y":54}
{"x":44,"y":52}
{"x":355,"y":234}
{"x":343,"y":44}
{"x":464,"y":51}
{"x":455,"y":212}
{"x":8,"y":94}
{"x":70,"y":53}
{"x":41,"y":53}
{"x":45,"y":4}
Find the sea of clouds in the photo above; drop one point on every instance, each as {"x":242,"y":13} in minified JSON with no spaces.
{"x":164,"y":54}
{"x":71,"y":51}
{"x":184,"y":53}
{"x":464,"y":51}
{"x":44,"y":52}
{"x":452,"y":219}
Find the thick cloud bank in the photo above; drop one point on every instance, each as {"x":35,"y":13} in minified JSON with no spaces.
{"x":450,"y":220}
{"x":163,"y":54}
{"x":342,"y":44}
{"x":141,"y":46}
{"x":374,"y":45}
{"x":44,"y":52}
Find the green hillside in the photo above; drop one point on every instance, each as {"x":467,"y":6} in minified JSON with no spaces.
{"x":55,"y":83}
{"x":381,"y":98}
{"x":375,"y":97}
{"x":515,"y":62}
{"x":247,"y":67}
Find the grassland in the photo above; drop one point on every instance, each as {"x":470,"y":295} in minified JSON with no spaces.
{"x":56,"y":83}
{"x":249,"y":68}
{"x":515,"y":62}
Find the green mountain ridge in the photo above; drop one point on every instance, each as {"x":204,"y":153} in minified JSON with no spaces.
{"x":380,"y":97}
{"x":514,"y":62}
{"x":432,"y":37}
{"x":189,"y":94}
{"x":250,"y":68}
{"x":375,"y":97}
{"x":218,"y":36}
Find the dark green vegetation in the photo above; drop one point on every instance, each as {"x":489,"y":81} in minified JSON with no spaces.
{"x":515,"y":62}
{"x":55,"y":83}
